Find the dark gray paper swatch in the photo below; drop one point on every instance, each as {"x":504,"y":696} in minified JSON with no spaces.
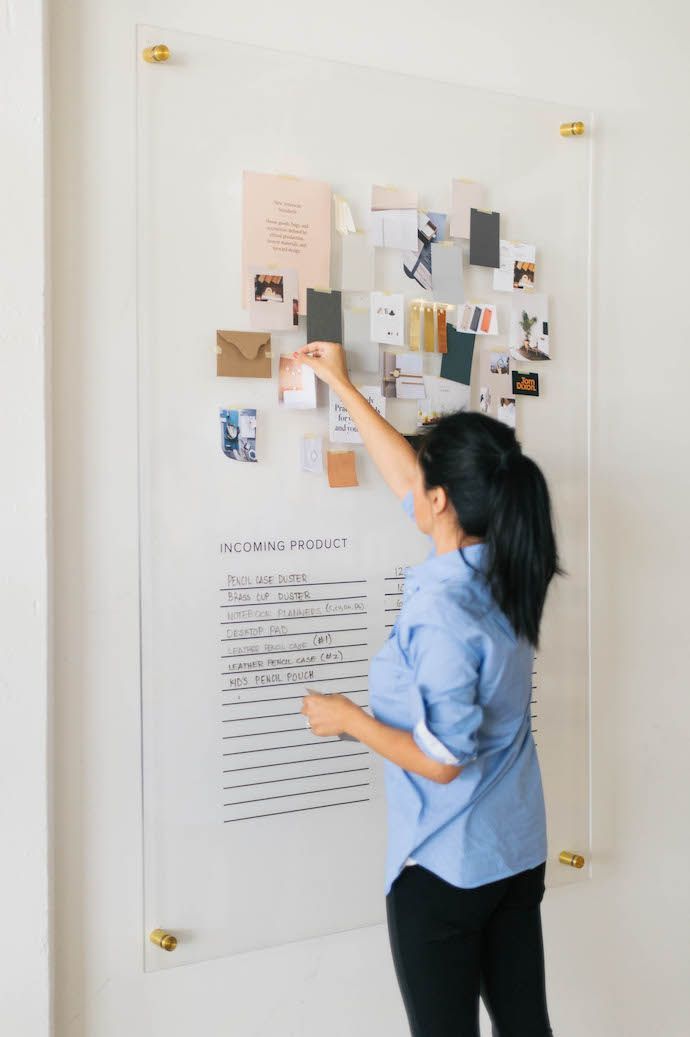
{"x":485,"y":238}
{"x":324,"y":316}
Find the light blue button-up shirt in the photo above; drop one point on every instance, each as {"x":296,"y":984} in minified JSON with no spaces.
{"x":454,"y":674}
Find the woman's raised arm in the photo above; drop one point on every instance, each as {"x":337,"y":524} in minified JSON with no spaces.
{"x":389,"y":450}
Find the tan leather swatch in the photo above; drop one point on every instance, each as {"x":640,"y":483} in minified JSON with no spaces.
{"x":341,"y":468}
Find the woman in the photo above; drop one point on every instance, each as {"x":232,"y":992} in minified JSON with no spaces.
{"x":450,"y":692}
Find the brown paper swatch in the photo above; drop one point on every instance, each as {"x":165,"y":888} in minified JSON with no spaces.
{"x":341,"y":468}
{"x":428,"y":329}
{"x":442,"y":329}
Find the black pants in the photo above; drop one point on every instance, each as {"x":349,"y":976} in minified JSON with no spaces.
{"x":451,"y":945}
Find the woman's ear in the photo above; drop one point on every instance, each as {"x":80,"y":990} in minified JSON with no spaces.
{"x":439,"y":500}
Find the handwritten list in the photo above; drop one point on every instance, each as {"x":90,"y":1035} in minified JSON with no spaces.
{"x":281,"y":633}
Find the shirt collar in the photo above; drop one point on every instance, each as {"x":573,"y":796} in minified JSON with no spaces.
{"x":456,"y":566}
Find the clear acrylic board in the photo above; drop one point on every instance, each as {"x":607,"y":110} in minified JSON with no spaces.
{"x":259,"y":579}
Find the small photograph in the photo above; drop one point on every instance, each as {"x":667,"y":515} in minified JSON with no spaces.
{"x":529,"y":327}
{"x":517,"y":268}
{"x":506,"y":410}
{"x":484,"y":399}
{"x":268,"y":288}
{"x":523,"y":275}
{"x":525,"y":384}
{"x":273,"y":298}
{"x":296,"y":384}
{"x":499,"y":363}
{"x":238,"y":434}
{"x":403,"y":376}
{"x":431,"y":227}
{"x":442,"y":397}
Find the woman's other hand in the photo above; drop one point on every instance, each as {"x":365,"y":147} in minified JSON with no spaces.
{"x":328,"y":714}
{"x":327,"y":360}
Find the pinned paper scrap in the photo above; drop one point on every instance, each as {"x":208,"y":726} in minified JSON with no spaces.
{"x":447,"y":272}
{"x":517,"y":267}
{"x":431,"y":228}
{"x":494,"y":380}
{"x":341,"y":427}
{"x":393,"y":228}
{"x":485,"y":236}
{"x":356,"y":263}
{"x":388,"y":318}
{"x":387,"y":198}
{"x":456,"y":363}
{"x":529,"y":327}
{"x":238,"y":434}
{"x":296,"y":384}
{"x":344,"y":223}
{"x":324,"y":315}
{"x":465,"y":195}
{"x":442,"y":397}
{"x":341,"y":468}
{"x":507,"y":411}
{"x":273,"y":298}
{"x":311,"y":454}
{"x":478,"y":318}
{"x":525,"y":383}
{"x":403,"y":375}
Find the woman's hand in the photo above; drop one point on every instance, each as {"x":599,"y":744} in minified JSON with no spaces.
{"x":327,"y":360}
{"x":328,"y":714}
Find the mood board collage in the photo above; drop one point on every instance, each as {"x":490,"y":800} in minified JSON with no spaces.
{"x":306,"y":266}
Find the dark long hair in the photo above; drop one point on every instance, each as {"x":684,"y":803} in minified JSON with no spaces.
{"x":500,"y":495}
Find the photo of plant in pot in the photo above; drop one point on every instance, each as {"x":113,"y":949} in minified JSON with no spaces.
{"x":529,"y":328}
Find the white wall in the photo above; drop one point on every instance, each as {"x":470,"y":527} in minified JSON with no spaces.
{"x":617,"y":951}
{"x":24,"y":971}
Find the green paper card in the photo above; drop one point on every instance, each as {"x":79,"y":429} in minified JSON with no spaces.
{"x":457,"y":362}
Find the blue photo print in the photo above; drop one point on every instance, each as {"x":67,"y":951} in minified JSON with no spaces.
{"x":238,"y":434}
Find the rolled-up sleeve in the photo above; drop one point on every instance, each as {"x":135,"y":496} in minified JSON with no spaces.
{"x":446,"y":677}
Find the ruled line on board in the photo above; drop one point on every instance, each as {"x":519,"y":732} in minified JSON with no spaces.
{"x":286,"y":698}
{"x":295,"y":777}
{"x":259,"y":734}
{"x":290,"y":763}
{"x":290,"y":795}
{"x":269,"y":716}
{"x":293,"y":745}
{"x":285,"y":619}
{"x":295,"y":633}
{"x":287,"y":651}
{"x":316,"y":680}
{"x":299,"y":810}
{"x":291,"y":586}
{"x":274,"y":669}
{"x":300,"y":601}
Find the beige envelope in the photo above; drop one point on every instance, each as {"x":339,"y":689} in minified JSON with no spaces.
{"x":243,"y":354}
